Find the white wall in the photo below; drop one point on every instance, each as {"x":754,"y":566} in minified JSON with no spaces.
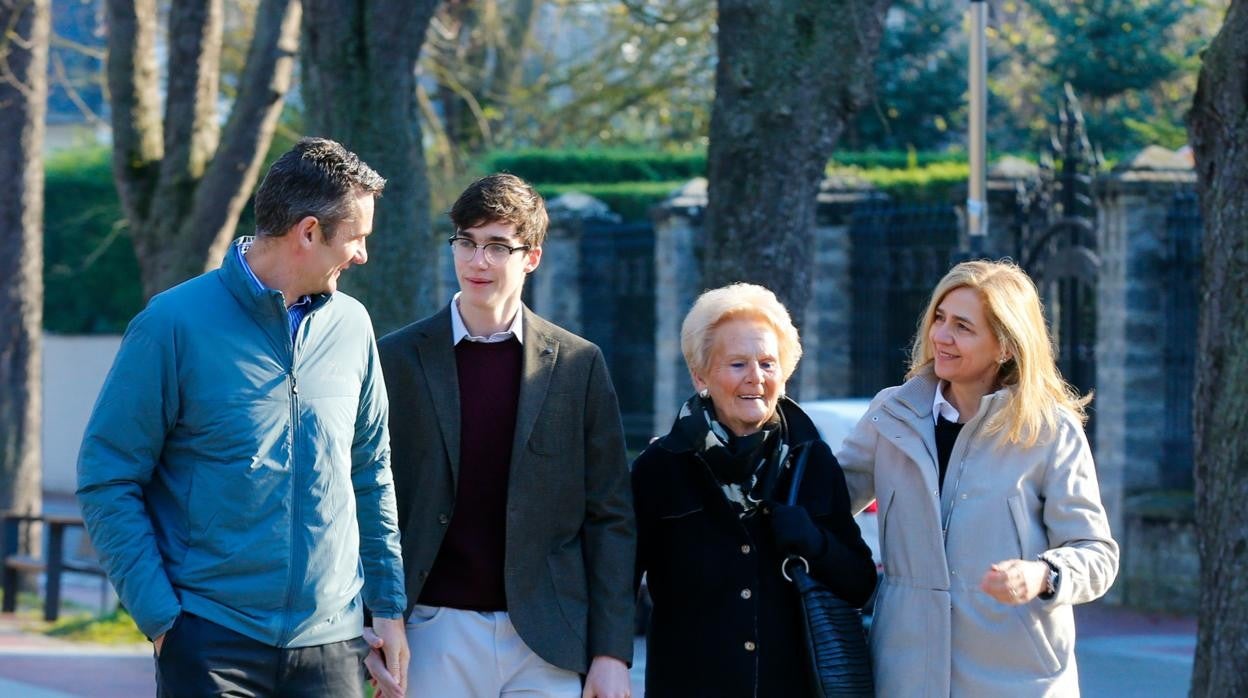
{"x":73,"y":371}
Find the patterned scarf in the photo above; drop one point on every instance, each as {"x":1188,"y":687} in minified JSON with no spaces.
{"x":746,"y":467}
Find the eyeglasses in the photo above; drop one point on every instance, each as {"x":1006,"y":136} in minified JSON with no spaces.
{"x":495,"y":252}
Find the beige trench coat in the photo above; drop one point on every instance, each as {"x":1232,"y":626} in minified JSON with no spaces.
{"x":935,"y":633}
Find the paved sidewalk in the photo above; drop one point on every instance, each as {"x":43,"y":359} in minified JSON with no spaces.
{"x":1122,"y":654}
{"x":33,"y":665}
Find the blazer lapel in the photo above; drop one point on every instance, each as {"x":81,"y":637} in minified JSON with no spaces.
{"x":540,"y":354}
{"x":437,"y":358}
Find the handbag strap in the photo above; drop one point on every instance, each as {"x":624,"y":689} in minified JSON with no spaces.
{"x":799,"y":469}
{"x":795,"y":483}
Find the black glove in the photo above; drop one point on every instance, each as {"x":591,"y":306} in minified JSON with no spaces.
{"x":796,"y":533}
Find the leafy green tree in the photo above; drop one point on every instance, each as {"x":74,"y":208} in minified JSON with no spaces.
{"x":920,"y":81}
{"x":1106,"y":47}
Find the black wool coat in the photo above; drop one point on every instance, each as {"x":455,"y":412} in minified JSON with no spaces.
{"x":725,"y":622}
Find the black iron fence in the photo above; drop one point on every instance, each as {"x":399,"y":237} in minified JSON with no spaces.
{"x":1181,"y":303}
{"x":617,"y":286}
{"x":899,"y":252}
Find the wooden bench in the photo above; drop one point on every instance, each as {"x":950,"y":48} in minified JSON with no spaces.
{"x":54,"y":565}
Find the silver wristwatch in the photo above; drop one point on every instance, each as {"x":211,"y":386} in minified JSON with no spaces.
{"x":1051,"y":581}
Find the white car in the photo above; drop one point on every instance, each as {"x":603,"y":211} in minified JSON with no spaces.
{"x":835,"y":419}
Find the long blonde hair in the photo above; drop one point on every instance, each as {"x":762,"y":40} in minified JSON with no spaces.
{"x":1014,"y":313}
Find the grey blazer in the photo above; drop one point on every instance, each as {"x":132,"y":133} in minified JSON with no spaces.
{"x":571,"y":533}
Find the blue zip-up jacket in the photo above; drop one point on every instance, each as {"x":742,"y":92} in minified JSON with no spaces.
{"x":234,"y":473}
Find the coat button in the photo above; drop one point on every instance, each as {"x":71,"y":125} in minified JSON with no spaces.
{"x":963,"y":495}
{"x":745,"y":549}
{"x":749,"y":646}
{"x":443,"y":519}
{"x":746,"y":593}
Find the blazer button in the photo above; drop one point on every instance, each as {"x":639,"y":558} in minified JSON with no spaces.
{"x":746,"y":593}
{"x":745,"y":549}
{"x":749,"y":646}
{"x":443,"y":519}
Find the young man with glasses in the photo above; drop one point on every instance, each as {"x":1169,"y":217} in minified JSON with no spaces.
{"x":513,"y":493}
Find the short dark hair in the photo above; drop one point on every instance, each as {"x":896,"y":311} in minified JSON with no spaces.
{"x":317,"y":177}
{"x":502,"y":198}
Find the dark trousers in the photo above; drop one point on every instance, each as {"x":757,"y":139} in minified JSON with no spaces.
{"x":200,"y":659}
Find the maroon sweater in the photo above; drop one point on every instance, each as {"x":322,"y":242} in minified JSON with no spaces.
{"x":468,"y":572}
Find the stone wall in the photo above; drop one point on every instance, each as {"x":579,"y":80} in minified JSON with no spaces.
{"x":678,"y":278}
{"x":1131,"y":404}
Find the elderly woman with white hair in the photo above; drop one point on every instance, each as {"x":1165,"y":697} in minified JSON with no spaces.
{"x":711,"y":533}
{"x":991,"y":524}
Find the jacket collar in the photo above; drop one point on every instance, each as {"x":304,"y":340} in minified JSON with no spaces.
{"x":801,"y":428}
{"x":437,"y":358}
{"x":541,"y":353}
{"x":914,"y":399}
{"x":266,"y":302}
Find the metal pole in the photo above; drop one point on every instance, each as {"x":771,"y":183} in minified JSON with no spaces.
{"x":977,"y":189}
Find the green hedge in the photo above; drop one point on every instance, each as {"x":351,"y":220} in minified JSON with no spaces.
{"x":935,"y":183}
{"x":602,"y":166}
{"x":90,"y":274}
{"x":596,"y":166}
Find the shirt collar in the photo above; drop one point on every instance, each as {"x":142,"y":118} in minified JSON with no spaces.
{"x":244,"y":244}
{"x":459,"y":331}
{"x":942,"y":407}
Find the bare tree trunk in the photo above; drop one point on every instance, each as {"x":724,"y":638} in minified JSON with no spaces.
{"x":790,"y":75}
{"x":1218,"y":126}
{"x":182,"y":181}
{"x":23,"y":102}
{"x":359,"y":84}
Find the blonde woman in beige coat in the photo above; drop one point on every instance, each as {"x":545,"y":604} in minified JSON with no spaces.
{"x":990,"y":516}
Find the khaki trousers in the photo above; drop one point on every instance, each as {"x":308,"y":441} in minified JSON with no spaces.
{"x":474,"y":654}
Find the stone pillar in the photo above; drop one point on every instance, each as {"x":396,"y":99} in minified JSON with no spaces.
{"x":678,"y":242}
{"x":554,"y":288}
{"x":1133,"y":203}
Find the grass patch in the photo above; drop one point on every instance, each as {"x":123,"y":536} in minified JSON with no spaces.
{"x":115,"y":628}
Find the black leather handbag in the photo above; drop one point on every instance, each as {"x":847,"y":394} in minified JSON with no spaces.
{"x":838,"y":661}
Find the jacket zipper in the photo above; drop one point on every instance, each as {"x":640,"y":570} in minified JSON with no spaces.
{"x":957,"y":482}
{"x":292,"y":581}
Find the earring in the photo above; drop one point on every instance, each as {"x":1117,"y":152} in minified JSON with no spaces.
{"x":704,"y":393}
{"x":1003,"y":359}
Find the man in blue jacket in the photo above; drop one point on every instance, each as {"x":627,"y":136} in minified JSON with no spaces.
{"x":235,"y":473}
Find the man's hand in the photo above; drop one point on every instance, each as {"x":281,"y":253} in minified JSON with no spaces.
{"x":158,"y":642}
{"x":607,"y":678}
{"x":1015,"y":582}
{"x":387,"y":661}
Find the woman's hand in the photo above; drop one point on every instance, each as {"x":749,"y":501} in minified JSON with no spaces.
{"x":1015,"y":582}
{"x":796,"y":533}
